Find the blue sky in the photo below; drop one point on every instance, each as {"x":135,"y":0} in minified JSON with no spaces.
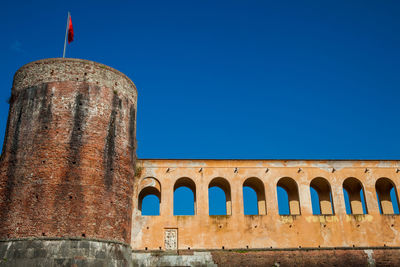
{"x":233,"y":79}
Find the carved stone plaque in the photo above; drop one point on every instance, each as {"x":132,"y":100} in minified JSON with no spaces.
{"x":171,"y":239}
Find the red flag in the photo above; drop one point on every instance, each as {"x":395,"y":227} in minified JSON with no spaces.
{"x":70,"y":31}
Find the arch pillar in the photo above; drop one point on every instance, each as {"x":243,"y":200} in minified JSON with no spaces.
{"x":236,"y":198}
{"x":202,"y":196}
{"x":337,"y":195}
{"x":167,"y":196}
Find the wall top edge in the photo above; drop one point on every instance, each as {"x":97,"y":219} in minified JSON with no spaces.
{"x":266,"y":163}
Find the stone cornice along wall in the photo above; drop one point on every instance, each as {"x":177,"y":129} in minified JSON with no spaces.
{"x":258,"y":163}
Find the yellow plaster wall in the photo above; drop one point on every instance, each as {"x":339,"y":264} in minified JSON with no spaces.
{"x":202,"y":231}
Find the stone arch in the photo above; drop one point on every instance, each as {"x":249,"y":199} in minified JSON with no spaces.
{"x":386,"y":202}
{"x":223,"y":184}
{"x":189,"y":183}
{"x":149,"y":186}
{"x":323,"y":189}
{"x":356,"y":195}
{"x":291,"y":188}
{"x":258,"y":186}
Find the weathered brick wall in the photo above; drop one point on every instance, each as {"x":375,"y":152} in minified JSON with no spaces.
{"x":273,"y":257}
{"x":331,"y":257}
{"x":291,"y":258}
{"x":67,"y":166}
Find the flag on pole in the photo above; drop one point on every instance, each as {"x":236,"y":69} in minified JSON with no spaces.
{"x":70,"y":31}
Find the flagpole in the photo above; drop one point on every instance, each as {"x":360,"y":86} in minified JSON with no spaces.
{"x":66,"y":33}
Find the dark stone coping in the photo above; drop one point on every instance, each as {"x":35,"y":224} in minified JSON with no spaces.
{"x":65,"y":238}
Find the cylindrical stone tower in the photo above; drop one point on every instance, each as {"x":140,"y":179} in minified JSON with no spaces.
{"x":67,"y":166}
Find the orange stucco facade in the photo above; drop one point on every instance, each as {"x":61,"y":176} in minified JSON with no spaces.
{"x":269,"y":229}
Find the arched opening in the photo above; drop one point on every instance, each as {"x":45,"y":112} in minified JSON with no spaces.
{"x":149,"y":197}
{"x":219,"y":197}
{"x":387,"y":196}
{"x":254,"y":197}
{"x":288,"y":197}
{"x":184,"y":197}
{"x":321,"y":197}
{"x":354,"y":196}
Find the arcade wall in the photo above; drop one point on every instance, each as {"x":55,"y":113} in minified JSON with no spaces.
{"x":269,"y":229}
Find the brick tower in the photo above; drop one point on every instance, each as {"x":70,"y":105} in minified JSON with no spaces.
{"x":67,"y":165}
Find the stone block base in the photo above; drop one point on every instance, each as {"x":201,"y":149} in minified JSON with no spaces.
{"x":64,"y":252}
